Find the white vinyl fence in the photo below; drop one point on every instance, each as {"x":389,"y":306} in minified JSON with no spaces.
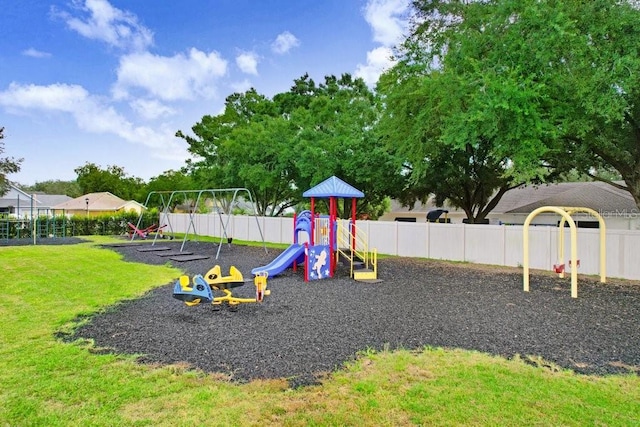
{"x":482,"y":244}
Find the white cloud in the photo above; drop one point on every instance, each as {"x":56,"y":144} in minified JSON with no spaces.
{"x":284,"y":43}
{"x":378,"y":60}
{"x":56,"y":97}
{"x":106,"y":23}
{"x":91,"y":115}
{"x":248,"y":63}
{"x":151,"y":109}
{"x":34,"y":53}
{"x":172,"y":78}
{"x":389,"y":21}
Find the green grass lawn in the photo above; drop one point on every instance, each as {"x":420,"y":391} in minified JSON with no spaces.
{"x":44,"y":381}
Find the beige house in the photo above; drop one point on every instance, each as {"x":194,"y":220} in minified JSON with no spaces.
{"x":616,"y":206}
{"x":95,"y":204}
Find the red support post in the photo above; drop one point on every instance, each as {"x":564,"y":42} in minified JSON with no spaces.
{"x":332,"y":235}
{"x":313,"y":221}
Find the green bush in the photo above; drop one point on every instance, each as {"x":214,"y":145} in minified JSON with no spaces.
{"x":111,"y":224}
{"x":77,"y":225}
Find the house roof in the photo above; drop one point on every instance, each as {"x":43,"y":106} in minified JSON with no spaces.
{"x":104,"y":201}
{"x":596,"y":195}
{"x":128,"y":204}
{"x":50,"y":200}
{"x":333,"y":187}
{"x":17,"y":197}
{"x":599,"y":196}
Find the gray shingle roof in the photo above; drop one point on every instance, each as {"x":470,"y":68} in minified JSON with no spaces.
{"x":598,"y":196}
{"x":50,"y":200}
{"x":17,"y":197}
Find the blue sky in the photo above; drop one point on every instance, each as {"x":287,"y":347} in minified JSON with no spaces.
{"x":111,"y":81}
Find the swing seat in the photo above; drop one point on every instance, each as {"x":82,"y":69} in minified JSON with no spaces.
{"x":558,"y":268}
{"x":144,"y":232}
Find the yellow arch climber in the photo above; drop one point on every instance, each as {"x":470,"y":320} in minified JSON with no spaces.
{"x":566,"y":213}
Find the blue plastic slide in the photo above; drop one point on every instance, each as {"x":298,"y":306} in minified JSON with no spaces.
{"x":294,"y":253}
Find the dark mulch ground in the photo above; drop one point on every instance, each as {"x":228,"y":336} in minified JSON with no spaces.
{"x":305,"y":329}
{"x":42,"y":241}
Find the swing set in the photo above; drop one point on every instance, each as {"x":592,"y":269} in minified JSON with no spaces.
{"x":574,"y":262}
{"x":222,"y":201}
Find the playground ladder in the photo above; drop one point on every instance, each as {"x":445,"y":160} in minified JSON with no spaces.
{"x":51,"y":226}
{"x":357,"y":254}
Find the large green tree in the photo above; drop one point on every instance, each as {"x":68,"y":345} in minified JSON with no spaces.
{"x":597,"y":88}
{"x":445,"y":113}
{"x":166,"y":183}
{"x":546,"y":87}
{"x":249,"y":145}
{"x":172,"y":180}
{"x":280,"y":147}
{"x":440,"y":126}
{"x":8,"y":165}
{"x":69,"y":188}
{"x":335,"y":123}
{"x":93,"y":179}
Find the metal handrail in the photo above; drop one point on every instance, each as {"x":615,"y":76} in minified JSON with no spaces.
{"x":345,"y":238}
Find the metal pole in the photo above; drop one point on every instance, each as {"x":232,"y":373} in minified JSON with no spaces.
{"x":33,"y":221}
{"x":86,"y":219}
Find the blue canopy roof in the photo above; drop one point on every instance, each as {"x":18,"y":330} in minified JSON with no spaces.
{"x":333,"y":187}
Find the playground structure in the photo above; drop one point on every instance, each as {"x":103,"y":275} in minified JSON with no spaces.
{"x":202,"y":288}
{"x":319,"y":249}
{"x":574,"y":262}
{"x":327,"y":239}
{"x":222,"y":201}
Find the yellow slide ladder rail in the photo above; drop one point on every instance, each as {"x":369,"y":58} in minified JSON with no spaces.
{"x":345,"y":237}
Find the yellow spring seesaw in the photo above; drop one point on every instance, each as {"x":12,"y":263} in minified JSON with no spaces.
{"x":201,"y":288}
